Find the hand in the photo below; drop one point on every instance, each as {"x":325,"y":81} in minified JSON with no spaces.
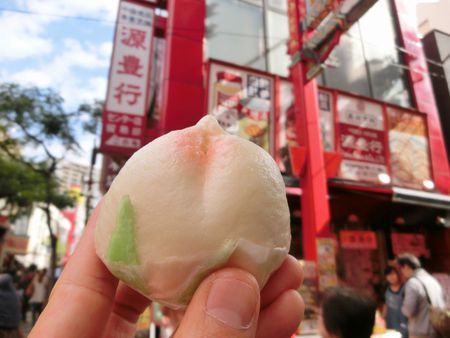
{"x":88,"y":301}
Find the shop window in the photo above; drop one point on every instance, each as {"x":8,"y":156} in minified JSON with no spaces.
{"x":235,"y":32}
{"x":369,"y":61}
{"x":387,"y":74}
{"x":278,"y":32}
{"x":351,"y":72}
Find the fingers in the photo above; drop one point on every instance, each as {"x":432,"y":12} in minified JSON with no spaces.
{"x":82,"y":299}
{"x":288,"y":276}
{"x":282,"y":317}
{"x":225,"y":305}
{"x":128,"y":305}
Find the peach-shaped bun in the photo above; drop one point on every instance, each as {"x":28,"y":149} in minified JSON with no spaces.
{"x":188,"y":203}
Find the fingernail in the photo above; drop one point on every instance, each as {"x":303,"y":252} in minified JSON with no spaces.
{"x":232,"y":302}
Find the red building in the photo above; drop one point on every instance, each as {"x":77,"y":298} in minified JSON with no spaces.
{"x":361,"y":147}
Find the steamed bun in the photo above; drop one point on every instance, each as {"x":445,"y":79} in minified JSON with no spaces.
{"x":188,"y":203}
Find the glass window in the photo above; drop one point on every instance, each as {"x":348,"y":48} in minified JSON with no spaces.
{"x":277,"y":5}
{"x":235,"y":33}
{"x":278,"y":32}
{"x":351,"y":72}
{"x":387,"y":74}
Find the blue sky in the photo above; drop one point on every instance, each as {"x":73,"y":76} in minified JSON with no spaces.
{"x":49,"y":49}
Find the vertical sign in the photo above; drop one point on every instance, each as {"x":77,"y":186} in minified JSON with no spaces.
{"x":408,"y":143}
{"x":361,"y":139}
{"x":124,"y":118}
{"x":294,"y":27}
{"x":242,"y":102}
{"x":326,"y":117}
{"x":287,"y":135}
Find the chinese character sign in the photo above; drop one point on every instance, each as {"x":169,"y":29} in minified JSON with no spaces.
{"x":242,"y":102}
{"x":358,"y":239}
{"x":126,"y":105}
{"x":361,"y":133}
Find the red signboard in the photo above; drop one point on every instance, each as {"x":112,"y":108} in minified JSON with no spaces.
{"x":16,"y":244}
{"x":110,"y":168}
{"x":317,"y":10}
{"x":361,"y":130}
{"x":124,"y":118}
{"x":294,"y":27}
{"x":409,"y":243}
{"x":352,"y":239}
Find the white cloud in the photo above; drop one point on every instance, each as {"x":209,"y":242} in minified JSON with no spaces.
{"x":98,"y":9}
{"x":62,"y":72}
{"x":20,"y":36}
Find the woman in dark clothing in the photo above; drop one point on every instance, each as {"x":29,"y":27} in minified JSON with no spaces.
{"x":9,"y":308}
{"x":394,"y":296}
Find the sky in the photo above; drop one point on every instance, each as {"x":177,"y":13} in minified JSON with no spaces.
{"x":43,"y":44}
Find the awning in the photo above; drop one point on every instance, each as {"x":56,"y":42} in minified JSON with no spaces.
{"x":421,"y":198}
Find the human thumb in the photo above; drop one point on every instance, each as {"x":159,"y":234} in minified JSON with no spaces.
{"x":225,"y":305}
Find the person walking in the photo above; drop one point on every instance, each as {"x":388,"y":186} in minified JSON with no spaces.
{"x":9,"y":308}
{"x":38,"y":296}
{"x":346,"y":313}
{"x":393,"y":296}
{"x":421,"y":291}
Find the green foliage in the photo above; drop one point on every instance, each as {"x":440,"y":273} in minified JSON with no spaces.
{"x":33,"y":118}
{"x":21,"y":186}
{"x":93,"y":113}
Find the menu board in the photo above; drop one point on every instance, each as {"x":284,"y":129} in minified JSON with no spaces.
{"x":408,"y":143}
{"x":242,"y":102}
{"x":361,"y":139}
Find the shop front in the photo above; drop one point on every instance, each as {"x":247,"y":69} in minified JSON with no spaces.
{"x":375,"y":144}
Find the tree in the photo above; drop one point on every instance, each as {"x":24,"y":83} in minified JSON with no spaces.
{"x":33,"y":128}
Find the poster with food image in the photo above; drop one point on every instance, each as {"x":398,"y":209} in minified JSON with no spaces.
{"x":361,"y":131}
{"x":326,"y":119}
{"x":310,"y":293}
{"x":242,"y":102}
{"x":408,"y":143}
{"x":287,"y":135}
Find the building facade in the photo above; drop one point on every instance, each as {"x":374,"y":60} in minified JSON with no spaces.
{"x":382,"y":149}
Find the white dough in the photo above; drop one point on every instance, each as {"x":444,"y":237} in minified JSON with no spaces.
{"x":202,"y":199}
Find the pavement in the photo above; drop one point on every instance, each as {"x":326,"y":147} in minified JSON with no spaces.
{"x":25,"y":327}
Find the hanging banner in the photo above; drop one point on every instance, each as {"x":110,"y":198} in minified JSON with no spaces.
{"x":361,"y":139}
{"x":242,"y":102}
{"x":408,"y":143}
{"x":124,"y":118}
{"x":410,"y":243}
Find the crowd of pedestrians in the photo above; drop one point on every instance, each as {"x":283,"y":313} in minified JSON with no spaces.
{"x":411,"y":296}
